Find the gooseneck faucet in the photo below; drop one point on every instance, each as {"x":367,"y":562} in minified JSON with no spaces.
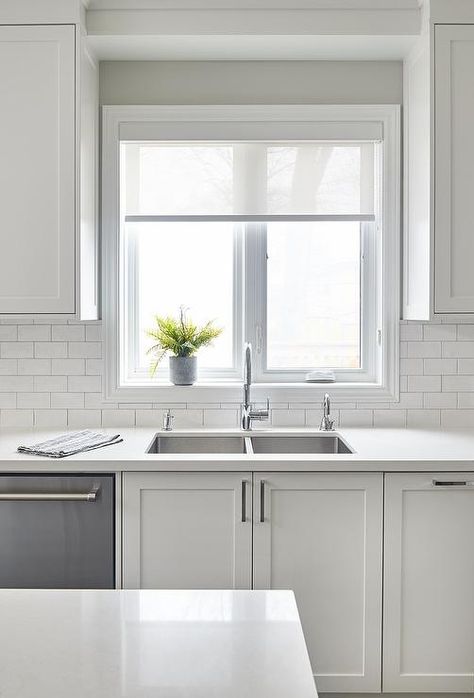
{"x":248,"y":413}
{"x":327,"y":424}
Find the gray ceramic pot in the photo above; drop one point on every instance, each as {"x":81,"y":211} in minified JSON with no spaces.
{"x":183,"y":370}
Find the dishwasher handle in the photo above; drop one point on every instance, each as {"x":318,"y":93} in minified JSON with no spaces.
{"x":90,"y":496}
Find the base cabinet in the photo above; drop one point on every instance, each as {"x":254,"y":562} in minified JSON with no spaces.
{"x":187,"y":531}
{"x":320,"y":534}
{"x":429,"y":583}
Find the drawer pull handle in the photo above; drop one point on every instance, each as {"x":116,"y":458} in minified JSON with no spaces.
{"x":90,"y":496}
{"x":451,"y":483}
{"x":262,"y":501}
{"x":244,"y":501}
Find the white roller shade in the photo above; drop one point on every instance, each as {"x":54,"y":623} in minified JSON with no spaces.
{"x":251,"y":179}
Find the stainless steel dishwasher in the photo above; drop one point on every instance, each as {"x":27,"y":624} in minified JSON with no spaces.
{"x":57,"y":531}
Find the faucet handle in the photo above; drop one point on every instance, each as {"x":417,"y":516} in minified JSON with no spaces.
{"x":262,"y":413}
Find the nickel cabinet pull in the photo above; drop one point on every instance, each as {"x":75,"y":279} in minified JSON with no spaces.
{"x":244,"y":501}
{"x":262,"y":501}
{"x":452,"y":483}
{"x":90,"y":496}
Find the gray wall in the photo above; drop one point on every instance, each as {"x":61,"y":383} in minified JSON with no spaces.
{"x":259,"y":82}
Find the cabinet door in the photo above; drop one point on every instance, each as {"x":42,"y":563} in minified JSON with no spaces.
{"x":429,"y":583}
{"x":37,"y":180}
{"x":321,"y":535}
{"x":187,"y":530}
{"x":454,"y":169}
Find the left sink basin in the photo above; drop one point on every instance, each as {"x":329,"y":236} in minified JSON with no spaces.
{"x":167,"y":443}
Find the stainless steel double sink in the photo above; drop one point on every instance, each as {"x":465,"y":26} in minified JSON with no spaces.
{"x":249,"y":444}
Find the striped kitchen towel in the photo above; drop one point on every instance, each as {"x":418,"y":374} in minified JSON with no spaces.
{"x":73,"y":442}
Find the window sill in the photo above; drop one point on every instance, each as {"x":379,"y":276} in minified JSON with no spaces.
{"x":231,"y":392}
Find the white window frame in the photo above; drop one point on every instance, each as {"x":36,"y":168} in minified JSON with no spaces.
{"x":383,"y":383}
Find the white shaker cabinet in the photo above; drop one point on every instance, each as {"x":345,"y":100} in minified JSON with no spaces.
{"x":454,"y":169}
{"x":429,"y":583}
{"x":187,"y":530}
{"x":49,"y":110}
{"x":320,"y":534}
{"x":37,"y":177}
{"x":439,"y":173}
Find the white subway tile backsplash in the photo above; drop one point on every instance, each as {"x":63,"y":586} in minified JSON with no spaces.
{"x":457,"y":418}
{"x":68,"y":367}
{"x":35,"y":400}
{"x":440,"y":400}
{"x":356,"y":418}
{"x":466,"y":366}
{"x":17,"y":384}
{"x":51,"y":384}
{"x":16,"y":350}
{"x":150,"y":418}
{"x":8,"y":367}
{"x":84,"y":384}
{"x":67,"y":400}
{"x":34,"y":367}
{"x":389,"y":418}
{"x":50,"y":350}
{"x":8,"y":400}
{"x":424,"y":384}
{"x":94,"y":367}
{"x":34,"y":333}
{"x":423,"y":418}
{"x":409,"y":333}
{"x":84,"y":418}
{"x":8,"y":333}
{"x":439,"y":332}
{"x":458,"y":349}
{"x":465,"y":400}
{"x":218,"y":418}
{"x":288,"y":418}
{"x":408,"y":401}
{"x":50,"y":418}
{"x":68,"y":333}
{"x":93,"y":333}
{"x":95,"y":401}
{"x":51,"y":374}
{"x":118,"y":418}
{"x":465,"y":332}
{"x":187,"y":419}
{"x":411,"y":367}
{"x":458,"y":383}
{"x":423,"y":350}
{"x":85,"y":350}
{"x":16,"y":418}
{"x":439,"y":367}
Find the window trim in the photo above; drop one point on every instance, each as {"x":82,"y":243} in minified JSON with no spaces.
{"x":118,"y":120}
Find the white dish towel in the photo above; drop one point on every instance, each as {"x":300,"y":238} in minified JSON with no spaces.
{"x":73,"y":442}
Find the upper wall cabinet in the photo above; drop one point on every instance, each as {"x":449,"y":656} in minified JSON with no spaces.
{"x":48,"y":216}
{"x":453,"y":169}
{"x":439,"y":176}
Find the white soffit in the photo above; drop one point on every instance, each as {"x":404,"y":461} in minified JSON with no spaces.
{"x":253,"y":4}
{"x":252,"y":29}
{"x":250,"y":48}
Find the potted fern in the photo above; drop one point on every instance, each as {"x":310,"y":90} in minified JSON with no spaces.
{"x":180,"y":338}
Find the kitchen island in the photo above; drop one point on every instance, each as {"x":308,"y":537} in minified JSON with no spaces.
{"x":125,"y":644}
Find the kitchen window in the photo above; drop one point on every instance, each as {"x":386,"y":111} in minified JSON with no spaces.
{"x":281,"y":240}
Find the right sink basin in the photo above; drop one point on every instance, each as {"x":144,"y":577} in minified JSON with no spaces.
{"x":319,"y":443}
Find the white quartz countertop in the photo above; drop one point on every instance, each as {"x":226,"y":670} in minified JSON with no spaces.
{"x":192,"y":644}
{"x":374,"y":450}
